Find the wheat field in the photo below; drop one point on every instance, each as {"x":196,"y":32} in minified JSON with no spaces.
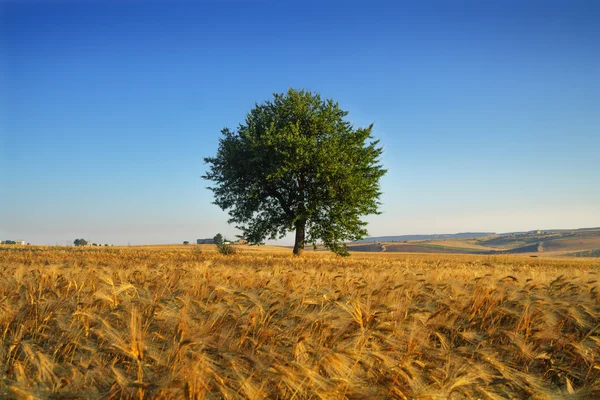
{"x":192,"y":324}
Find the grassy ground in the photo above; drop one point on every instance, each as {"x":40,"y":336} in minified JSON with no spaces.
{"x":186,"y":323}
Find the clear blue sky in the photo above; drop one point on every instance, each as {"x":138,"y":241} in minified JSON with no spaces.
{"x":489,"y":111}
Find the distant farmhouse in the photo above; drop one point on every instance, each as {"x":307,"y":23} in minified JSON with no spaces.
{"x":21,"y":242}
{"x":205,"y":241}
{"x":92,"y":244}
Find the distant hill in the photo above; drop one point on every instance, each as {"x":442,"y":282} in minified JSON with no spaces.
{"x":533,"y":232}
{"x":402,"y":238}
{"x":548,"y":243}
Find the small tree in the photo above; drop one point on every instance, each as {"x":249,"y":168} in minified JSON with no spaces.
{"x":297,"y":164}
{"x":218,"y":239}
{"x":186,"y":242}
{"x":80,"y":242}
{"x":226,"y":248}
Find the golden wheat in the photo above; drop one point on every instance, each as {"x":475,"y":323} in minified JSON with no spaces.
{"x":180,"y":323}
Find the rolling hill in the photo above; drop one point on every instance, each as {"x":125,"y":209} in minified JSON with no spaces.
{"x":402,"y":238}
{"x":552,"y":243}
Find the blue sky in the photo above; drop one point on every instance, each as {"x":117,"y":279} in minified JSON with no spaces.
{"x":488,"y":111}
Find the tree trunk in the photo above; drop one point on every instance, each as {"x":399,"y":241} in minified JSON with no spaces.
{"x":300,"y":233}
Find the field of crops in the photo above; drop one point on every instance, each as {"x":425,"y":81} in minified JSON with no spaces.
{"x":185,"y":323}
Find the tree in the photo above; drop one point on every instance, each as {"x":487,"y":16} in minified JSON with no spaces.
{"x":226,"y":248}
{"x":218,"y":239}
{"x":297,"y":164}
{"x":186,"y":242}
{"x":80,"y":242}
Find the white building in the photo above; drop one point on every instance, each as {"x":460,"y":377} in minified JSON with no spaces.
{"x":21,"y":242}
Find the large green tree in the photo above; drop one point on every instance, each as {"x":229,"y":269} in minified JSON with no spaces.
{"x":298,"y":164}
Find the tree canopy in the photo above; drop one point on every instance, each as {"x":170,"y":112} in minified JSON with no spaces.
{"x":298,"y":164}
{"x":218,"y":239}
{"x":80,"y":242}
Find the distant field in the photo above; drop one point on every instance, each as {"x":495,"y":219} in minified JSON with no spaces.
{"x":187,"y":322}
{"x":433,"y":246}
{"x":545,"y":244}
{"x":589,"y":253}
{"x":572,"y":244}
{"x":465,"y":244}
